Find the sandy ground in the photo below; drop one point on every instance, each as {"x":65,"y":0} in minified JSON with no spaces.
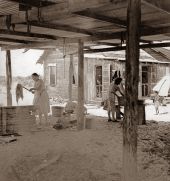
{"x":90,"y":155}
{"x":164,"y":114}
{"x":93,"y":154}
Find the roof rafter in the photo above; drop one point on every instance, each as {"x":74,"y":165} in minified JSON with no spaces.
{"x":25,"y":34}
{"x":65,"y":28}
{"x":60,"y":41}
{"x":58,"y":10}
{"x":11,"y":40}
{"x":119,"y":48}
{"x":106,"y":43}
{"x":33,"y":3}
{"x":91,"y":14}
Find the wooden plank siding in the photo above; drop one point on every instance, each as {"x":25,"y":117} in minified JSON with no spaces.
{"x":155,"y":73}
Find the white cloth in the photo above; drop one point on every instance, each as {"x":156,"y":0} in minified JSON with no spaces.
{"x":163,"y":86}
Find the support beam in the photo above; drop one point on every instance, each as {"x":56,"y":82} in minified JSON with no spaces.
{"x":33,"y":3}
{"x":28,"y":35}
{"x":144,"y":33}
{"x":145,"y":41}
{"x":65,"y":28}
{"x":59,"y":27}
{"x":119,"y":48}
{"x":80,"y":107}
{"x":11,"y":40}
{"x":107,"y":43}
{"x":90,"y":14}
{"x":8,"y":77}
{"x":70,"y":78}
{"x":131,"y":92}
{"x":32,"y":45}
{"x":59,"y":10}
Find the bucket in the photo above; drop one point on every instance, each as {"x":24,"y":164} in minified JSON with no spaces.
{"x":57,"y":111}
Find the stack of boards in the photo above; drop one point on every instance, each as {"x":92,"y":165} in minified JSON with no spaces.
{"x":18,"y":119}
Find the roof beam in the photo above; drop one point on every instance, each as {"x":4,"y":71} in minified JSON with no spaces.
{"x":119,"y":48}
{"x":10,"y":40}
{"x":64,"y":28}
{"x":158,"y":4}
{"x":33,"y":3}
{"x":58,"y":10}
{"x":33,"y":45}
{"x":90,"y":14}
{"x":155,"y":31}
{"x":60,"y":41}
{"x":144,"y":32}
{"x":106,"y":43}
{"x":25,"y":34}
{"x":145,"y":41}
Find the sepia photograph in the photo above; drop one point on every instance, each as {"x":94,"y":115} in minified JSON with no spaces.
{"x":84,"y":90}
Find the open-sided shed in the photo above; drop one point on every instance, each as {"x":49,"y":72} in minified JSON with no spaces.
{"x":78,"y":25}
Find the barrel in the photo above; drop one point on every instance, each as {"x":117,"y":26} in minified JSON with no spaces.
{"x":17,"y":119}
{"x":57,"y":111}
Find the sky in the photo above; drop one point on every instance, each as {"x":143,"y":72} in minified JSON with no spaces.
{"x":23,"y":64}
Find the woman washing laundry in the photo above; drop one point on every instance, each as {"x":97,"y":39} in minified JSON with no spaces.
{"x":106,"y":101}
{"x":41,"y":99}
{"x":114,"y":89}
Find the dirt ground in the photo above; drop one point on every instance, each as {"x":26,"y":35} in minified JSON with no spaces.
{"x":90,"y":155}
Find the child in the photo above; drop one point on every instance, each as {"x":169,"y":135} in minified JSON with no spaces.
{"x":156,"y":102}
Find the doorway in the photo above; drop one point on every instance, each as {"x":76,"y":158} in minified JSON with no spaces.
{"x":145,"y":81}
{"x":98,"y":81}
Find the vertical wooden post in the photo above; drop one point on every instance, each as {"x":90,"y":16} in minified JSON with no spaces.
{"x":70,"y":78}
{"x":44,"y":71}
{"x":8,"y":77}
{"x":80,"y":109}
{"x":131,"y":92}
{"x":140,"y":82}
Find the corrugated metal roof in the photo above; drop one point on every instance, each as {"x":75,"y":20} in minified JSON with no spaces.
{"x":107,"y":56}
{"x":160,"y":54}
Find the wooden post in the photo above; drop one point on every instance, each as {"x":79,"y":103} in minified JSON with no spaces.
{"x":80,"y":108}
{"x":140,"y":82}
{"x":44,"y":69}
{"x":8,"y":77}
{"x":70,"y":78}
{"x":131,"y":92}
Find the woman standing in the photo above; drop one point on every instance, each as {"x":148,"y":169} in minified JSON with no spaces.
{"x":41,"y":99}
{"x":114,"y":89}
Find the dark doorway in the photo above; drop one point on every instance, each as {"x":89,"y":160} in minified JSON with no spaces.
{"x":98,"y":81}
{"x":145,"y":80}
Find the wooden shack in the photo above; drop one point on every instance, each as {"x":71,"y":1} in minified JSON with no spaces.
{"x":99,"y":69}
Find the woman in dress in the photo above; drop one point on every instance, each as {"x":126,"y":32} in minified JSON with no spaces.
{"x":114,"y":89}
{"x":41,"y":98}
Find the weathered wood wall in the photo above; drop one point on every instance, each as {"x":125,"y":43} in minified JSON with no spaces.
{"x":156,"y":72}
